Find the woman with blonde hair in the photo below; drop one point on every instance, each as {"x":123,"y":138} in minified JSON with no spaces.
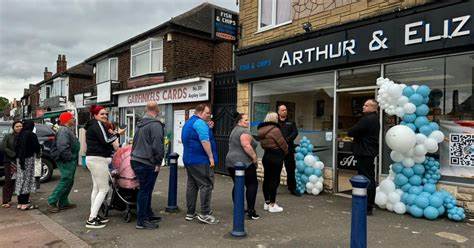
{"x":275,"y":147}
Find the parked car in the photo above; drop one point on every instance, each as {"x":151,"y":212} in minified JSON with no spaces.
{"x":46,"y":137}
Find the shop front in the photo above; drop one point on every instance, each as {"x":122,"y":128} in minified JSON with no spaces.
{"x":325,"y":77}
{"x":175,"y":99}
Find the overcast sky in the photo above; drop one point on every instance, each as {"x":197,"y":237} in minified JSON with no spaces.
{"x":33,"y":33}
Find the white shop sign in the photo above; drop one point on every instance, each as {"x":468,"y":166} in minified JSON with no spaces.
{"x":193,"y":92}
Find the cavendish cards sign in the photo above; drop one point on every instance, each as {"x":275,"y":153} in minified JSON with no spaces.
{"x":429,"y":31}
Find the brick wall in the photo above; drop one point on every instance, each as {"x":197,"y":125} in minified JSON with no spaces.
{"x":79,"y":85}
{"x":321,"y":14}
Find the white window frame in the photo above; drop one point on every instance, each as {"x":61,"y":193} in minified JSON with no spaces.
{"x":108,"y":78}
{"x":273,"y":25}
{"x":150,"y":50}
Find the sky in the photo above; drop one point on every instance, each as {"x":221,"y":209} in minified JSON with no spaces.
{"x":34,"y":32}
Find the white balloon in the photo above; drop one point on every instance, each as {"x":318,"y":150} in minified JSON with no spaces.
{"x":410,"y":153}
{"x":309,"y":160}
{"x":313,"y":179}
{"x":420,"y":150}
{"x":380,"y":199}
{"x":389,"y":206}
{"x":415,"y":87}
{"x":396,"y":156}
{"x":420,"y":138}
{"x":395,"y":91}
{"x":399,"y":208}
{"x":309,"y":185}
{"x":393,"y":197}
{"x":318,"y":165}
{"x":400,"y":138}
{"x":431,"y":145}
{"x":402,"y":100}
{"x":400,"y":112}
{"x":437,"y":135}
{"x":409,"y":108}
{"x":319,"y":186}
{"x":320,"y":179}
{"x":309,"y":191}
{"x":419,"y":159}
{"x":387,"y":186}
{"x":315,"y":191}
{"x":399,"y":192}
{"x":408,"y":162}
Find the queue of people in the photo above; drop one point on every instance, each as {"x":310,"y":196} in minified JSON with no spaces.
{"x":276,"y":135}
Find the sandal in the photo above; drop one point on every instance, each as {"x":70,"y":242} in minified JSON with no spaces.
{"x":6,"y":205}
{"x":29,"y":207}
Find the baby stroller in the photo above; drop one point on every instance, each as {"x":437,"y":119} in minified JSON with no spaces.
{"x":123,"y":192}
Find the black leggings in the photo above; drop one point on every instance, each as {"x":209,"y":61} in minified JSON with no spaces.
{"x":23,"y":199}
{"x":272,"y":164}
{"x":366,"y":167}
{"x":251,"y":184}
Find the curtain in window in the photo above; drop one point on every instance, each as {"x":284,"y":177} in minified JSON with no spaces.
{"x":266,"y":7}
{"x":283,"y":11}
{"x":102,"y":71}
{"x":113,"y":69}
{"x":141,"y":64}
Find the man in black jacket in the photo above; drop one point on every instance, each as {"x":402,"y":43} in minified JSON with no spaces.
{"x":147,"y":155}
{"x":366,"y":147}
{"x":289,"y":130}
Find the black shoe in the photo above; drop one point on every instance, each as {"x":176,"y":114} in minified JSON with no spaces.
{"x":147,"y":225}
{"x":95,"y":224}
{"x":370,"y":212}
{"x":102,"y":219}
{"x":155,"y":219}
{"x":253,"y":215}
{"x":296,"y":193}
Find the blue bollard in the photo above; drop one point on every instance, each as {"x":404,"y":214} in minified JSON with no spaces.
{"x":359,"y":211}
{"x":173,"y":183}
{"x":239,"y":227}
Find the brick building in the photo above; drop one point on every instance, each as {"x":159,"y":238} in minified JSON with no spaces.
{"x":172,"y":64}
{"x":322,"y":58}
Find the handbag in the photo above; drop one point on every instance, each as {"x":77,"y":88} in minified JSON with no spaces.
{"x":38,"y":167}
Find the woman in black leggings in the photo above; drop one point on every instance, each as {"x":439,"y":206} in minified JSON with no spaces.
{"x":242,"y":149}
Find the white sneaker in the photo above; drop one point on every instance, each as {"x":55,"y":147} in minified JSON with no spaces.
{"x":275,"y":208}
{"x":266,"y":206}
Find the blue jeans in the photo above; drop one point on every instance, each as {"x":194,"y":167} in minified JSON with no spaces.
{"x":146,"y":177}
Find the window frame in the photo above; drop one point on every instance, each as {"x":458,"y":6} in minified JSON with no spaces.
{"x":274,"y":17}
{"x":149,"y":50}
{"x":108,"y":78}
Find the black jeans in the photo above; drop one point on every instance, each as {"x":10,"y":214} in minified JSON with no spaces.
{"x":272,"y":164}
{"x":9,"y":183}
{"x":251,"y":185}
{"x":146,"y":177}
{"x":366,"y":167}
{"x":290,"y":171}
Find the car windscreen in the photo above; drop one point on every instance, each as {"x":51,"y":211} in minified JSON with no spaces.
{"x":4,"y":130}
{"x":43,"y":130}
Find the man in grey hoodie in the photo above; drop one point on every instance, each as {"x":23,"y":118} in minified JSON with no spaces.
{"x":147,"y":155}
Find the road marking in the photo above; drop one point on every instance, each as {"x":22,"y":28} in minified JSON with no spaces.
{"x":17,"y":224}
{"x":452,"y":236}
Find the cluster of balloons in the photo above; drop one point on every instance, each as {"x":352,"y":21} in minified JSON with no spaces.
{"x":309,"y":169}
{"x":413,"y":175}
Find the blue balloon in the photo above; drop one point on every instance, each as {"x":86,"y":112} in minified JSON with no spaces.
{"x":406,"y":187}
{"x":411,"y":126}
{"x":304,"y":151}
{"x":423,"y":90}
{"x":408,"y":91}
{"x":408,"y":172}
{"x":431,"y":213}
{"x":310,"y":147}
{"x":299,"y":156}
{"x":411,"y":199}
{"x":318,"y":172}
{"x":426,"y":130}
{"x":415,"y":211}
{"x":426,"y":100}
{"x":421,"y":121}
{"x":408,"y":118}
{"x":429,"y":187}
{"x":435,"y":201}
{"x":308,"y":171}
{"x":434,"y":126}
{"x":300,"y":166}
{"x":404,"y":198}
{"x":415,"y":180}
{"x":397,"y":167}
{"x":425,"y":194}
{"x":400,"y":180}
{"x":422,"y":202}
{"x":441,"y":210}
{"x":418,"y":169}
{"x":304,"y":179}
{"x":416,"y":99}
{"x":422,"y":110}
{"x":415,"y":190}
{"x":403,"y":123}
{"x":298,"y":149}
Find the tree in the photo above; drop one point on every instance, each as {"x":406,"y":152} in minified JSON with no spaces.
{"x":3,"y":103}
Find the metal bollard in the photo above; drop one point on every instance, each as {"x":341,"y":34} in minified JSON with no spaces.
{"x":173,"y":183}
{"x":238,"y":229}
{"x":359,"y":211}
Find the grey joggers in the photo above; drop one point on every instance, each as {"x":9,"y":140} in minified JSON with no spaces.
{"x":200,"y":179}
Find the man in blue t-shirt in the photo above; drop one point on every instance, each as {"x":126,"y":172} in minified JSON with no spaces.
{"x":200,"y":156}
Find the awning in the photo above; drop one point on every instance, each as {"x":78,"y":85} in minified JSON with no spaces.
{"x":53,"y":114}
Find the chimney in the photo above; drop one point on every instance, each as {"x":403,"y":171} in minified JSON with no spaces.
{"x":61,"y":64}
{"x":47,"y":74}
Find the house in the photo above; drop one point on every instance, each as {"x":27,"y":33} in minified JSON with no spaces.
{"x":172,"y":64}
{"x":30,"y":102}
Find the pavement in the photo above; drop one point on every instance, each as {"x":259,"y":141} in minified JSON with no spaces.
{"x":308,"y":221}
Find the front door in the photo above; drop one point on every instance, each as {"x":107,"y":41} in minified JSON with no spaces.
{"x":179,"y":117}
{"x":349,"y":111}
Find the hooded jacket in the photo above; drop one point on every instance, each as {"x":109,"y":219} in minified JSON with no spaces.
{"x":271,"y":138}
{"x":148,"y":142}
{"x":65,"y":139}
{"x":98,"y":140}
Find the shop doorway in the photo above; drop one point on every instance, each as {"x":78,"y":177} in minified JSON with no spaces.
{"x":179,"y":117}
{"x":349,"y":111}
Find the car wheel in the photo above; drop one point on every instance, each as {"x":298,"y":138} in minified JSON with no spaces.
{"x":46,"y":170}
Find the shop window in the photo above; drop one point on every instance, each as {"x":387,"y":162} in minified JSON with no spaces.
{"x":147,"y":57}
{"x":274,"y":13}
{"x":358,"y":77}
{"x":451,"y":103}
{"x":309,"y":100}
